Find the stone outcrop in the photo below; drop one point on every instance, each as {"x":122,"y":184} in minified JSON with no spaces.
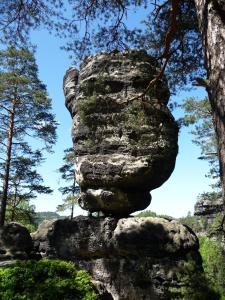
{"x":125,"y":146}
{"x":207,"y":210}
{"x":129,"y":258}
{"x":15,"y":242}
{"x":209,"y":206}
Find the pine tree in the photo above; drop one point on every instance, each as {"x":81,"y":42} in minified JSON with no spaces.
{"x":71,"y":190}
{"x":24,"y":184}
{"x":198,"y":114}
{"x":18,"y":18}
{"x":25,"y":120}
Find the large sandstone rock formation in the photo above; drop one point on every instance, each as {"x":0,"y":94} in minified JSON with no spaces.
{"x":125,"y":147}
{"x":129,"y":258}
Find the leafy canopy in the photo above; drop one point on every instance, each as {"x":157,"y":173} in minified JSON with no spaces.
{"x":198,"y":115}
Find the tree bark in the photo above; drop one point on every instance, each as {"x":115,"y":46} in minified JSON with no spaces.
{"x":211,"y":17}
{"x":7,"y":165}
{"x":14,"y":204}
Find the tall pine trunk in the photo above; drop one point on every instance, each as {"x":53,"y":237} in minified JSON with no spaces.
{"x":7,"y":165}
{"x":211,"y":17}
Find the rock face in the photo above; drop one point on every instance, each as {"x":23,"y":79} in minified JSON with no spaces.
{"x":125,"y":147}
{"x":129,"y":259}
{"x":15,"y":242}
{"x":209,"y":207}
{"x":207,"y":210}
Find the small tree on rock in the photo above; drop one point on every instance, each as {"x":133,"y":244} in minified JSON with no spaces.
{"x":71,"y":189}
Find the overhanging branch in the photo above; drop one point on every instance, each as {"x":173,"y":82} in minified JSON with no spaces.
{"x":167,"y":49}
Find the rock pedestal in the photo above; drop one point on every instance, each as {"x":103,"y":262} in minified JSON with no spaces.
{"x":125,"y":146}
{"x":129,"y":258}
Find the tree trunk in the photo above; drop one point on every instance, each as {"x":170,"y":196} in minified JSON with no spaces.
{"x":7,"y":165}
{"x":211,"y":17}
{"x":14,"y":204}
{"x":72,"y":209}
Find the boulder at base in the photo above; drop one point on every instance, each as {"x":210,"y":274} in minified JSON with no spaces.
{"x":129,"y":259}
{"x":15,"y":242}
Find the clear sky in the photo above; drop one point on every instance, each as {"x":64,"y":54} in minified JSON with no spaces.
{"x":176,"y":197}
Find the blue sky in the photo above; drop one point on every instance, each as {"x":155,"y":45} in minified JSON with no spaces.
{"x":176,"y":197}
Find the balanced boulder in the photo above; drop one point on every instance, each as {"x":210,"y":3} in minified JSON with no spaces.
{"x":125,"y":143}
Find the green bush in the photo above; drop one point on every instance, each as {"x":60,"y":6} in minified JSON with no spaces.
{"x":213,"y":258}
{"x":149,"y":213}
{"x":45,"y":280}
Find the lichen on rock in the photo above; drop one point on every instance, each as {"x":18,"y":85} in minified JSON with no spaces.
{"x":125,"y":147}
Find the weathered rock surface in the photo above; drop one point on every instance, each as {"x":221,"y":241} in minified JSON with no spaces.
{"x":209,"y":206}
{"x":125,"y":147}
{"x":15,"y":242}
{"x":207,"y":210}
{"x":129,"y":259}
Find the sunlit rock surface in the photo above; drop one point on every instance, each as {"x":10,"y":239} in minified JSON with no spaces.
{"x":125,"y":146}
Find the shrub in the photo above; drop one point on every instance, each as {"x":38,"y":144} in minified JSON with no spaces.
{"x":149,"y":213}
{"x":213,"y":263}
{"x":45,"y":279}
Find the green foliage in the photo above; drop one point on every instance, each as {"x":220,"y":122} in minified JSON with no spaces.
{"x":109,"y":26}
{"x":213,"y":257}
{"x":149,"y":213}
{"x":25,"y":116}
{"x":197,"y":288}
{"x":68,"y":202}
{"x":146,"y":213}
{"x":24,"y":183}
{"x":198,"y":114}
{"x":189,"y":220}
{"x":89,"y":144}
{"x":135,"y":116}
{"x":193,"y":285}
{"x":96,"y":87}
{"x":45,"y":279}
{"x":86,"y":106}
{"x":217,"y":227}
{"x":18,"y":18}
{"x":71,"y":189}
{"x":45,"y":215}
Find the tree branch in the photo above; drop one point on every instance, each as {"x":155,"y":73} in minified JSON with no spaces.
{"x":201,"y":82}
{"x":7,"y":109}
{"x":159,"y":7}
{"x":167,"y":49}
